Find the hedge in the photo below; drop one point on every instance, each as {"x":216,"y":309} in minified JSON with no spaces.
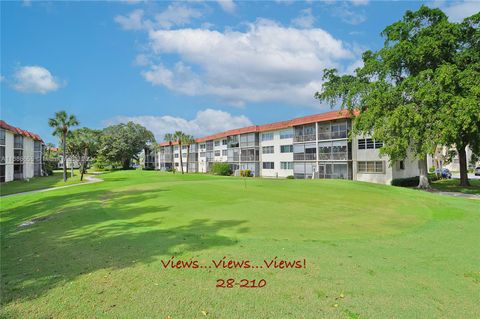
{"x":221,"y":169}
{"x":411,"y":181}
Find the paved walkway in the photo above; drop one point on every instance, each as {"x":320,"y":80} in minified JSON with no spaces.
{"x":456,"y":194}
{"x":89,"y":179}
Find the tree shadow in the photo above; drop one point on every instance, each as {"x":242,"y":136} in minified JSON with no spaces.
{"x":91,"y":230}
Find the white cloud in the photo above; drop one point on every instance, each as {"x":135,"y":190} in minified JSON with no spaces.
{"x":305,"y":19}
{"x":227,"y":5}
{"x":133,"y":21}
{"x":176,"y":14}
{"x":268,"y":62}
{"x":349,"y":15}
{"x":457,"y":11}
{"x":206,"y":122}
{"x":359,"y":2}
{"x":141,"y":60}
{"x":34,"y":79}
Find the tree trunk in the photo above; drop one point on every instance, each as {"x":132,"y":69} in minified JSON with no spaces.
{"x":173,"y":161}
{"x":423,"y":174}
{"x":84,"y":163}
{"x":462,"y":158}
{"x":181,"y":160}
{"x":64,"y":159}
{"x":126,"y":163}
{"x":188,"y":155}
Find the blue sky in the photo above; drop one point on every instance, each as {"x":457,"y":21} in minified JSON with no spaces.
{"x":197,"y":66}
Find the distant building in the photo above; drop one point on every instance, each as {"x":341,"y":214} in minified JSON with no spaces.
{"x":21,"y":153}
{"x":315,"y":146}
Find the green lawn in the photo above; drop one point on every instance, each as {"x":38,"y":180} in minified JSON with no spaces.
{"x":371,"y":251}
{"x":36,"y":183}
{"x":451,"y":185}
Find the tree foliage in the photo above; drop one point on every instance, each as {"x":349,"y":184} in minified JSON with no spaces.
{"x":83,"y":144}
{"x":123,"y":142}
{"x":418,"y":91}
{"x":61,"y":124}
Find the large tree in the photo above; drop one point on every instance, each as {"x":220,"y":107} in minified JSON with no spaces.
{"x":188,"y":140}
{"x":179,"y":137}
{"x":61,"y":124}
{"x":83,"y":144}
{"x":398,"y":91}
{"x":170,"y":139}
{"x":123,"y":142}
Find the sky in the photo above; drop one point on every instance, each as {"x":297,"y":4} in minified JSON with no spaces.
{"x":196,"y":66}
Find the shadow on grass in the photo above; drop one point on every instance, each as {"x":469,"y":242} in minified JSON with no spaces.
{"x":92,"y":230}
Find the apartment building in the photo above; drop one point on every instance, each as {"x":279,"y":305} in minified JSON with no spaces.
{"x":20,"y":153}
{"x":315,"y":146}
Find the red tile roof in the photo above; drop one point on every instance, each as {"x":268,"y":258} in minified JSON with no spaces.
{"x":322,"y":117}
{"x":17,"y":130}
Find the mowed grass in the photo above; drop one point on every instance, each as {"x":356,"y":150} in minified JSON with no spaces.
{"x":371,"y":251}
{"x":37,"y":183}
{"x":451,"y":185}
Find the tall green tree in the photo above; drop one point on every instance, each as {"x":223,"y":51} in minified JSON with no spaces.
{"x":179,"y":137}
{"x":61,"y":124}
{"x":83,"y":144}
{"x":188,"y":140}
{"x":398,"y":90}
{"x":123,"y":142}
{"x":169,"y":137}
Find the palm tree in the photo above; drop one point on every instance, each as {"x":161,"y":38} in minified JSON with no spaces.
{"x":179,"y":137}
{"x":170,"y":139}
{"x":188,"y":140}
{"x":61,"y":124}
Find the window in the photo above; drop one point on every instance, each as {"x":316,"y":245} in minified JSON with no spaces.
{"x":202,"y":154}
{"x":202,"y":146}
{"x":18,"y":156}
{"x":286,"y":165}
{"x":175,"y":148}
{"x":361,"y":144}
{"x":286,"y":134}
{"x":2,"y":137}
{"x":401,"y":164}
{"x":184,"y":147}
{"x":224,"y":142}
{"x":2,"y":154}
{"x":176,"y":155}
{"x":267,"y":136}
{"x":267,"y":150}
{"x":224,"y":152}
{"x":18,"y":141}
{"x":268,"y":165}
{"x":374,"y":167}
{"x":368,"y":143}
{"x":217,"y":143}
{"x":286,"y":148}
{"x":217,"y":153}
{"x":184,"y":154}
{"x":2,"y":173}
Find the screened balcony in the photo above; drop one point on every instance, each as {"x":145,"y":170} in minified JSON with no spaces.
{"x":335,"y":150}
{"x":18,"y":141}
{"x":333,"y":130}
{"x":249,"y":155}
{"x":304,"y":152}
{"x":304,"y":133}
{"x":249,"y":140}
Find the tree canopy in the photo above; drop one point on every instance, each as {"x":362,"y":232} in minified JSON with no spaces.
{"x":123,"y":142}
{"x":418,"y":91}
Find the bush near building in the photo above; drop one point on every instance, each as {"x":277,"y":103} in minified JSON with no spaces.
{"x":221,"y":169}
{"x":246,"y":173}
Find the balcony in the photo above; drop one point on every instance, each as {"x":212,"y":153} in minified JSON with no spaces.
{"x":333,"y":156}
{"x":304,"y":157}
{"x":18,"y":176}
{"x":304,"y":138}
{"x":332,"y":135}
{"x":18,"y":145}
{"x":249,"y":158}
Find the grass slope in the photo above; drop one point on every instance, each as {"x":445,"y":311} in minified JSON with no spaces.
{"x":372,"y":251}
{"x":451,"y":185}
{"x":36,"y":183}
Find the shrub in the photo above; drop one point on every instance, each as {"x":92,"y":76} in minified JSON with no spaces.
{"x":221,"y":169}
{"x":431,"y":169}
{"x":411,"y":181}
{"x":49,"y":166}
{"x":245,"y":173}
{"x":290,"y":177}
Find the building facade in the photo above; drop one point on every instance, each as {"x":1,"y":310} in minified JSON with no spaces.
{"x":21,"y":153}
{"x":316,"y":146}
